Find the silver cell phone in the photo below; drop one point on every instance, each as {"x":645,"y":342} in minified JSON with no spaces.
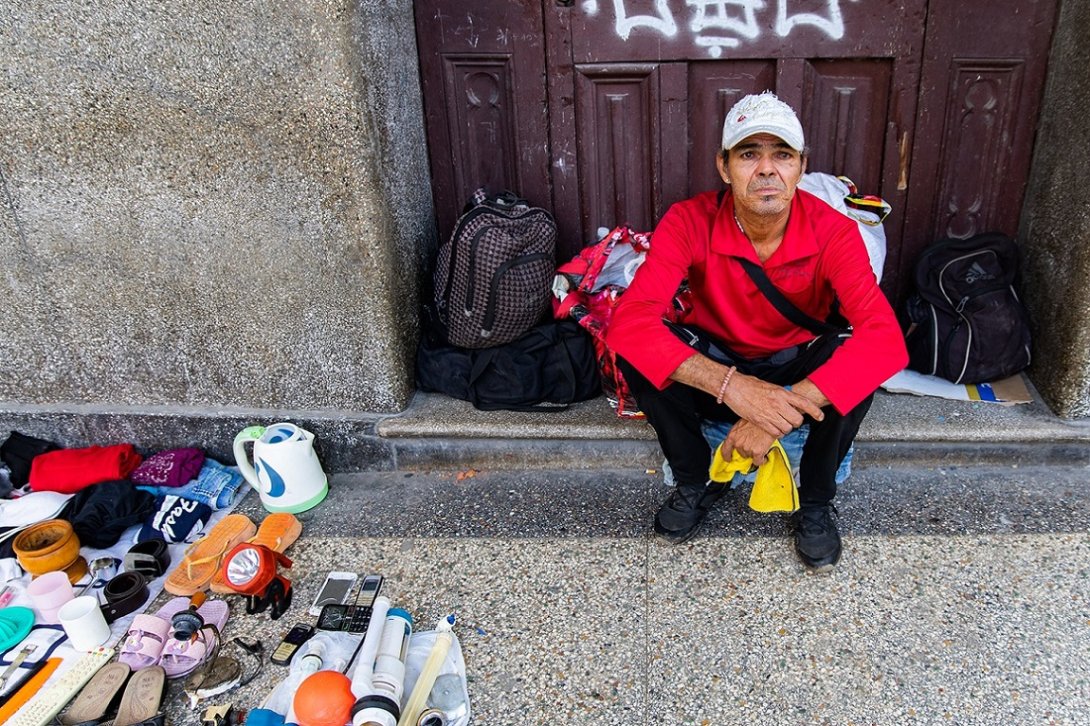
{"x":336,"y":590}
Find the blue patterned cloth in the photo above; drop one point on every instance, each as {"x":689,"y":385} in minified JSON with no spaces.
{"x":216,"y":485}
{"x":716,"y":431}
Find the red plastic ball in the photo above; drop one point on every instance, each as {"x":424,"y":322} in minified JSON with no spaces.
{"x":324,"y":699}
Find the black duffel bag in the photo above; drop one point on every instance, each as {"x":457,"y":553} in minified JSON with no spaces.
{"x":546,"y":369}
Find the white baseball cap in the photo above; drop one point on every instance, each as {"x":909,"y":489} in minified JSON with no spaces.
{"x":762,"y":113}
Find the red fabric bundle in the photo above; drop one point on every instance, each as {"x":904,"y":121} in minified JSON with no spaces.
{"x":69,"y":470}
{"x":597,"y":279}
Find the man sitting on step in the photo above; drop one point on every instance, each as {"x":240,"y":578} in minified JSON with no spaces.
{"x":743,"y":360}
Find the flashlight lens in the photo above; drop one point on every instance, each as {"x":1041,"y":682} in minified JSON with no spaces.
{"x":243,"y":567}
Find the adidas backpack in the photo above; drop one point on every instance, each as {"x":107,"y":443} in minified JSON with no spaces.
{"x":492,"y":277}
{"x":969,"y":325}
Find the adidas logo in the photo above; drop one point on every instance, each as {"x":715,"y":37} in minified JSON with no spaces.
{"x":977,"y":273}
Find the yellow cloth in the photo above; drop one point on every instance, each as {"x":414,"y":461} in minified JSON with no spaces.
{"x":774,"y":490}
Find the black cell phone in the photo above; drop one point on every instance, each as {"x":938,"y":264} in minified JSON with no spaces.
{"x":296,"y":637}
{"x":361,"y":611}
{"x":352,"y":618}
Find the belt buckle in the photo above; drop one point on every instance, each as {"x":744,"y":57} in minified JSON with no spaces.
{"x":150,"y":557}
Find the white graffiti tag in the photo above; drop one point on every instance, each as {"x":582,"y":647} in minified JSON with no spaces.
{"x":716,"y":14}
{"x":662,"y":21}
{"x":833,"y":26}
{"x":718,"y":24}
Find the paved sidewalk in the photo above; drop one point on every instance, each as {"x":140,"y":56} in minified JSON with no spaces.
{"x":963,"y":597}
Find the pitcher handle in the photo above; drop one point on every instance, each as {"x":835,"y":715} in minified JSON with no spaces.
{"x":250,"y":433}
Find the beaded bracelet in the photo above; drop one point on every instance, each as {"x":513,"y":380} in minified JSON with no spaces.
{"x":723,"y":385}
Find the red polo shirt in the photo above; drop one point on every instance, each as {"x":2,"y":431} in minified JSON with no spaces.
{"x":821,"y":258}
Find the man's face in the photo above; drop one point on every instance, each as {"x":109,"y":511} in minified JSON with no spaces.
{"x":763,"y":172}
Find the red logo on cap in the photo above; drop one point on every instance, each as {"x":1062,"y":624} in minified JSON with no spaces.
{"x":741,"y":118}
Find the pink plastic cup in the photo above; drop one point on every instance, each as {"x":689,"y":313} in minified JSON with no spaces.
{"x":49,"y":592}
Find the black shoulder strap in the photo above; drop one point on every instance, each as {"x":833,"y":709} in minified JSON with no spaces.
{"x":781,"y":303}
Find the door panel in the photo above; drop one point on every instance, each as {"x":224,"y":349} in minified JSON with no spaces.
{"x":715,"y":86}
{"x":847,"y":103}
{"x":482,"y":125}
{"x":631,"y":143}
{"x":618,"y":133}
{"x":481,"y":69}
{"x":980,"y":91}
{"x":980,"y":115}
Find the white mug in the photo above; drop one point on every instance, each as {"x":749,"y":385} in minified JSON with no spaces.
{"x":84,"y":623}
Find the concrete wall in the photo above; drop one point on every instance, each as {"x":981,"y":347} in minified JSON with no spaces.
{"x":210,"y":210}
{"x":1056,"y":222}
{"x":210,"y":204}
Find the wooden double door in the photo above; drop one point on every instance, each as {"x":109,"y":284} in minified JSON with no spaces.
{"x":608,"y":111}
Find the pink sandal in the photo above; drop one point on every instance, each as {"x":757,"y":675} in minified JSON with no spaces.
{"x":148,"y":634}
{"x":182,"y":657}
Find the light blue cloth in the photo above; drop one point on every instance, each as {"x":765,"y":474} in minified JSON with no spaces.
{"x":716,"y":431}
{"x":216,"y":485}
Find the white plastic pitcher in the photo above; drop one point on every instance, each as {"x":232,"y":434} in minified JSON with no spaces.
{"x":288,"y":475}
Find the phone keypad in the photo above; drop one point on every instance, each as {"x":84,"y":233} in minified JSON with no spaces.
{"x":345,"y":618}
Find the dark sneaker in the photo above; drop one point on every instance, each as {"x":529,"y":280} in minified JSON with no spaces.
{"x":681,"y":515}
{"x":817,"y":539}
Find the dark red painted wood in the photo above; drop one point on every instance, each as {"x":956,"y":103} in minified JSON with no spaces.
{"x":631,"y":123}
{"x":851,"y":69}
{"x":482,"y":67}
{"x":564,"y":167}
{"x":608,"y":111}
{"x":846,"y":122}
{"x":983,"y":77}
{"x":617,"y":133}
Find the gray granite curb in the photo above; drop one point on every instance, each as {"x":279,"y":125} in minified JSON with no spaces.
{"x":436,"y":431}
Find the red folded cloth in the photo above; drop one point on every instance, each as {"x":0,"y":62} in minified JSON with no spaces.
{"x":69,"y":470}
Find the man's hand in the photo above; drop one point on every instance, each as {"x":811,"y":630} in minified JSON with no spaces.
{"x":749,"y":440}
{"x":773,"y":408}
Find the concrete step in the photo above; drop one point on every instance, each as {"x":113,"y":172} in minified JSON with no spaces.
{"x":436,"y":431}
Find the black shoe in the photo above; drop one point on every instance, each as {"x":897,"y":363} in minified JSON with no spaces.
{"x":681,"y":515}
{"x":817,"y":539}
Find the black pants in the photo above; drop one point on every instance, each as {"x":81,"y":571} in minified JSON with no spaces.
{"x":677,"y":412}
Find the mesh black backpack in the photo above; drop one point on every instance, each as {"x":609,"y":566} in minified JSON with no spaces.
{"x":970,"y":326}
{"x":492,"y":277}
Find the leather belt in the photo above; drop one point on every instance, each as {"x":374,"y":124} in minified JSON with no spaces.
{"x":150,"y":558}
{"x":124,"y":594}
{"x":50,"y":546}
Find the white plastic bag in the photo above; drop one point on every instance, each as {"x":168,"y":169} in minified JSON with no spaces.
{"x":832,"y":191}
{"x":419,"y":647}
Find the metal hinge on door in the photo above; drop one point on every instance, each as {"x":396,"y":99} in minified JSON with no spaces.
{"x":902,"y":173}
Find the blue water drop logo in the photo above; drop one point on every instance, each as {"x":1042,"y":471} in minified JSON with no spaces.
{"x":276,"y":482}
